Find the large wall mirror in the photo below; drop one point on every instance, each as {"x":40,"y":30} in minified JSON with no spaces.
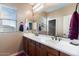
{"x":55,"y":22}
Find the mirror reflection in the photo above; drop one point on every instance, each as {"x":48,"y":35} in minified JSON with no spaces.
{"x":54,"y":20}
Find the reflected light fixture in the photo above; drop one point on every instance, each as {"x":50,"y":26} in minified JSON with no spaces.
{"x":38,"y":7}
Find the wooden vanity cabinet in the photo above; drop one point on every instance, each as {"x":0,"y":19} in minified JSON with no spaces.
{"x":33,"y":48}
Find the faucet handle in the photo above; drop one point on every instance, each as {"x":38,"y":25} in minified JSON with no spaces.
{"x":59,"y":38}
{"x":56,"y":38}
{"x":52,"y":37}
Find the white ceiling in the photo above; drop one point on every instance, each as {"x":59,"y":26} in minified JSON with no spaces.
{"x":54,"y":7}
{"x":48,"y":7}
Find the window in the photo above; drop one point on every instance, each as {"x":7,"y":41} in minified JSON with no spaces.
{"x":7,"y":19}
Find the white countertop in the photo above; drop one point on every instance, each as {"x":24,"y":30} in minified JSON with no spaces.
{"x":63,"y":45}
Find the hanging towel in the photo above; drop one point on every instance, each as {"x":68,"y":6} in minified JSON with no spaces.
{"x":73,"y":30}
{"x":78,"y":23}
{"x":21,"y":27}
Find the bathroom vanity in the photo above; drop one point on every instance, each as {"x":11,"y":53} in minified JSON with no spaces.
{"x":33,"y":48}
{"x":43,"y":45}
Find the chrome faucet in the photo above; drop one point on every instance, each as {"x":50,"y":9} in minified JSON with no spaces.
{"x":58,"y":38}
{"x":54,"y":38}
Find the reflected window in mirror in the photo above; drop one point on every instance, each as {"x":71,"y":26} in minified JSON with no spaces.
{"x":66,"y":24}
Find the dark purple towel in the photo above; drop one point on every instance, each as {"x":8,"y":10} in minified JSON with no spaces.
{"x":78,"y":24}
{"x":73,"y":30}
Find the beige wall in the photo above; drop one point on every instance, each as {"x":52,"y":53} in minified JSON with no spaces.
{"x":10,"y":43}
{"x":58,"y":15}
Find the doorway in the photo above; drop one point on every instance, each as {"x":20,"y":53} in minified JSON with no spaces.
{"x":52,"y":27}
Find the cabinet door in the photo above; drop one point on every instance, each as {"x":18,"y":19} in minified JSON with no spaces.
{"x":43,"y":50}
{"x":25,"y":44}
{"x":40,"y":50}
{"x":31,"y":48}
{"x":52,"y":52}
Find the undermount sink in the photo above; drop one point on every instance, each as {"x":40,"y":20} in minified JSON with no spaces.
{"x":48,"y":38}
{"x":42,"y":37}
